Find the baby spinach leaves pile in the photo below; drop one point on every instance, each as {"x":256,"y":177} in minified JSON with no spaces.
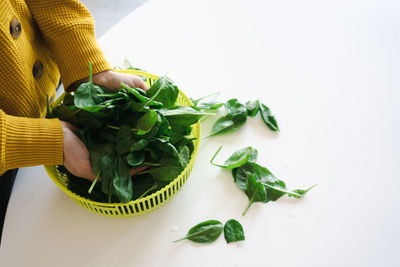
{"x":236,"y":114}
{"x":209,"y":231}
{"x":128,"y":129}
{"x":256,"y":181}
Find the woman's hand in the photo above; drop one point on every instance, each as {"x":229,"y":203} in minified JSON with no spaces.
{"x":112,"y":80}
{"x":77,"y":157}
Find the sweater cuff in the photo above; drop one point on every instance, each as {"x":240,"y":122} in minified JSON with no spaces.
{"x":74,"y":50}
{"x":30,"y":142}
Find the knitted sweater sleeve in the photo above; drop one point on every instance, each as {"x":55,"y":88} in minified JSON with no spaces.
{"x":29,"y":141}
{"x":68,"y":28}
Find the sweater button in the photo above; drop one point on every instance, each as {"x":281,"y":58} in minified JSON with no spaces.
{"x":37,"y":69}
{"x":15,"y":28}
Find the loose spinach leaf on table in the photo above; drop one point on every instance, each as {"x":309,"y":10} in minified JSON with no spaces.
{"x":268,"y":118}
{"x":259,"y":184}
{"x":253,"y":107}
{"x":205,"y":232}
{"x":233,"y":231}
{"x":234,"y":119}
{"x":238,"y":158}
{"x":255,"y":191}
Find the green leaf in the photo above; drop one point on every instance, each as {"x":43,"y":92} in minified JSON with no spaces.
{"x":233,"y":231}
{"x":139,"y":145}
{"x":238,"y":158}
{"x":86,"y":95}
{"x":228,"y":124}
{"x":205,"y":232}
{"x":165,"y":146}
{"x":184,"y":155}
{"x":169,"y":170}
{"x":299,"y":193}
{"x":255,"y":191}
{"x":184,"y":116}
{"x":143,"y":185}
{"x":234,"y":119}
{"x":196,"y":102}
{"x":124,"y":139}
{"x":135,"y":159}
{"x":122,"y":181}
{"x":212,"y":105}
{"x":96,"y":153}
{"x":135,"y":92}
{"x":107,"y":174}
{"x":167,"y":91}
{"x":268,"y":118}
{"x":146,"y":122}
{"x":252,"y":108}
{"x":274,"y":187}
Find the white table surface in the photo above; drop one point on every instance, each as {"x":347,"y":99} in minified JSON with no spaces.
{"x":329,"y":71}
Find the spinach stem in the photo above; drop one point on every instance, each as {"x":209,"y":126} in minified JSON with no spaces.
{"x":212,"y":159}
{"x":148,"y":190}
{"x":188,"y":236}
{"x":153,"y":97}
{"x":113,"y":127}
{"x":93,"y":183}
{"x":151,"y":164}
{"x":250,"y":201}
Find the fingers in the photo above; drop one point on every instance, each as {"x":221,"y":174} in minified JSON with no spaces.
{"x":135,"y":81}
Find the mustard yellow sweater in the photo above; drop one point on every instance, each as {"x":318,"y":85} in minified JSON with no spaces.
{"x":39,"y":41}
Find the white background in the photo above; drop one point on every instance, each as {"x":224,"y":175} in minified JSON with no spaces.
{"x":329,"y":71}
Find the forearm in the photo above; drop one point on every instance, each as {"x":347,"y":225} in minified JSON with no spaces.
{"x":29,"y":142}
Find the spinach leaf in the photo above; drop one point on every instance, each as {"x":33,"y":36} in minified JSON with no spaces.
{"x":124,"y":139}
{"x":233,"y":231}
{"x":253,"y":107}
{"x":299,"y":193}
{"x":122,"y":181}
{"x":139,"y":145}
{"x":228,"y":124}
{"x":146,"y":122}
{"x":135,"y":159}
{"x":274,"y":187}
{"x":255,"y":191}
{"x":138,"y":94}
{"x":205,"y":232}
{"x":184,"y":155}
{"x":107,"y":175}
{"x":183,"y":116}
{"x":143,"y":185}
{"x":238,"y":158}
{"x":235,"y":118}
{"x":169,"y":170}
{"x":165,"y":146}
{"x":167,"y":91}
{"x":97,"y":152}
{"x":86,"y":95}
{"x":212,"y":105}
{"x":268,"y":118}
